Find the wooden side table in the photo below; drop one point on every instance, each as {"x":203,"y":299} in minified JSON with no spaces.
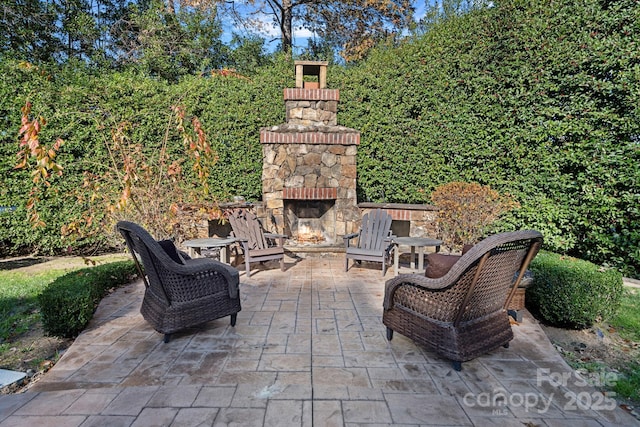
{"x":413,"y":242}
{"x":195,"y":246}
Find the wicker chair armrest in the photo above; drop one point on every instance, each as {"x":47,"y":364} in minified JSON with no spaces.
{"x":191,"y":267}
{"x":194,"y":267}
{"x":464,"y":263}
{"x":416,"y":280}
{"x":486,"y":245}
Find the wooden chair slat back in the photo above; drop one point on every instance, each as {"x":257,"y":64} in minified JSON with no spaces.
{"x":246,"y":226}
{"x":376,"y":227}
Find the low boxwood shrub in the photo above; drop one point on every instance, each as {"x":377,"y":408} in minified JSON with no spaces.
{"x":572,"y":293}
{"x":69,"y":302}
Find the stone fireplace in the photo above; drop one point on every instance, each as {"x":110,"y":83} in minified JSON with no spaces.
{"x":309,"y":168}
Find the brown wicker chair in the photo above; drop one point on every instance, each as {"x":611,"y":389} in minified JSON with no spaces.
{"x":462,"y":314}
{"x":180,"y":292}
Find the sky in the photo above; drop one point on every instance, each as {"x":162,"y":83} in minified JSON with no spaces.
{"x":300,"y":35}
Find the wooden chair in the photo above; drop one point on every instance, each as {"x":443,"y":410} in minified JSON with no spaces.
{"x":375,"y":241}
{"x":180,"y":292}
{"x":462,"y":314}
{"x":257,"y":246}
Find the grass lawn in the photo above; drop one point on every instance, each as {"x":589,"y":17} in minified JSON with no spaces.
{"x":627,"y":320}
{"x":627,"y":324}
{"x":23,"y":346}
{"x":18,"y":301}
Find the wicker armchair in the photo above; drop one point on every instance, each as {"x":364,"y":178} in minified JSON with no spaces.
{"x":180,"y":292}
{"x":462,"y":314}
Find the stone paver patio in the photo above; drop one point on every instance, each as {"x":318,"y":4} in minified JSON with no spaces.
{"x":309,"y":349}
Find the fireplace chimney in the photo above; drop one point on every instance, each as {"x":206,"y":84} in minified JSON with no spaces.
{"x":309,"y":166}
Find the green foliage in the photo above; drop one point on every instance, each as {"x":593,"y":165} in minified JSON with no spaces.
{"x":89,"y":110}
{"x":143,"y":35}
{"x":27,"y":31}
{"x":247,"y":53}
{"x":569,"y":292}
{"x":173,"y":44}
{"x":232,"y":110}
{"x":628,"y":385}
{"x":447,"y":9}
{"x":539,"y":100}
{"x":68,"y":303}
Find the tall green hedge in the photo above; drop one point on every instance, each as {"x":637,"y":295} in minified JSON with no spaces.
{"x":537,"y":99}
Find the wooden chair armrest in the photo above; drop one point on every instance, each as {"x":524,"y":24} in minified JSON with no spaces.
{"x":348,"y":237}
{"x":275,"y":236}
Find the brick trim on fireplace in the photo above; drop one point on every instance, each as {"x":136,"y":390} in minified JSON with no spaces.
{"x":310,"y":193}
{"x":311,"y":94}
{"x":332,"y":138}
{"x":399,"y":214}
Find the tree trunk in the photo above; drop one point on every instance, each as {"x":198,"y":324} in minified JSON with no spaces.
{"x":285,"y":26}
{"x":171,"y":7}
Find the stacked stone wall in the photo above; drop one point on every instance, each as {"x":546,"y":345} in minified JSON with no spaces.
{"x":319,"y":171}
{"x":309,"y":113}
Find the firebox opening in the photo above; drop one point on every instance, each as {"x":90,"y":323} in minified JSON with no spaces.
{"x":400,"y":228}
{"x":310,"y":222}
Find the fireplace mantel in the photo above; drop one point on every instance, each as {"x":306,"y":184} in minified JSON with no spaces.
{"x":325,"y":193}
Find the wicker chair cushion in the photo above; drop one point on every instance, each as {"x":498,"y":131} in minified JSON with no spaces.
{"x":171,"y":250}
{"x":439,"y":264}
